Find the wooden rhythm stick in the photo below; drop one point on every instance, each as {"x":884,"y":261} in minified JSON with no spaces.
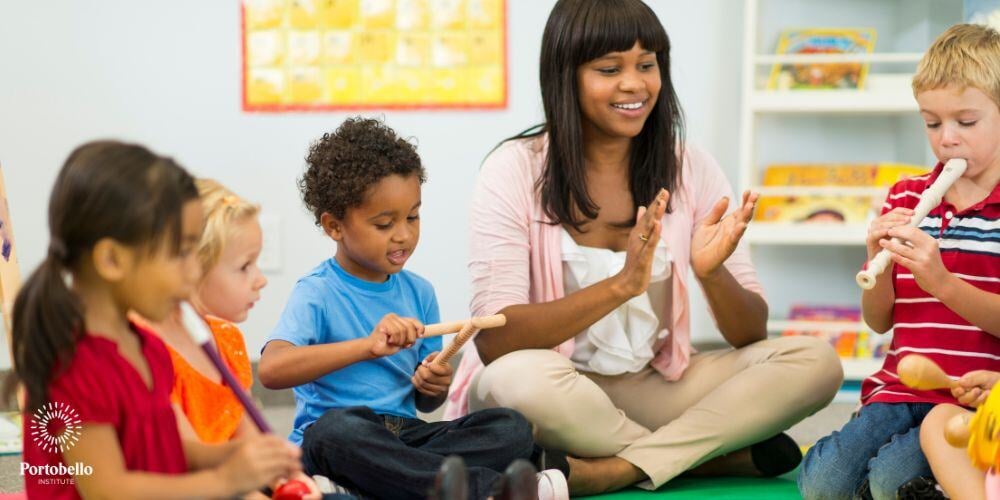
{"x":466,"y":329}
{"x":930,"y":198}
{"x":920,"y":373}
{"x":481,"y":323}
{"x":463,"y":336}
{"x":199,"y":331}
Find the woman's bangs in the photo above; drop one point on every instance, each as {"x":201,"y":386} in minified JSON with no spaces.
{"x":615,"y":26}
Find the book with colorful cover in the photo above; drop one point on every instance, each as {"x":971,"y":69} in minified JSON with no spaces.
{"x":819,"y":75}
{"x":823,"y":208}
{"x":851,"y":344}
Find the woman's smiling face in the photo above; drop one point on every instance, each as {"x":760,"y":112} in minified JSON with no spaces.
{"x":617,"y":92}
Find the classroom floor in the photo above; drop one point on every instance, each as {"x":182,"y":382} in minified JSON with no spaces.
{"x":806,"y":432}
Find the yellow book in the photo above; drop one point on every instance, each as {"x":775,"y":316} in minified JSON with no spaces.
{"x":828,"y":208}
{"x":841,"y":75}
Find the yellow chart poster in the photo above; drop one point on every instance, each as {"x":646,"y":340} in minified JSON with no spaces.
{"x":301,"y":55}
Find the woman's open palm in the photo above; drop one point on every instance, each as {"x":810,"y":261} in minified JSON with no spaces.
{"x":715,"y":238}
{"x":642,"y":241}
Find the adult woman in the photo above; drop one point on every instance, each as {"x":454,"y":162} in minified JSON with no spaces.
{"x":596,"y":349}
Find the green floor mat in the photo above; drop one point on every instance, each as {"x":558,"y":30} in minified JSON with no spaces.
{"x":735,"y":488}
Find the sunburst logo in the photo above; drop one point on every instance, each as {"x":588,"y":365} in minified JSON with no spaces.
{"x":55,"y":427}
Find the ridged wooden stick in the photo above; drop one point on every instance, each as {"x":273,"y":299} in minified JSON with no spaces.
{"x":920,"y":373}
{"x":463,"y":336}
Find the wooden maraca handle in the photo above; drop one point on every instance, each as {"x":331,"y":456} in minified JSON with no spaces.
{"x":957,"y":431}
{"x":481,"y":323}
{"x":920,"y":373}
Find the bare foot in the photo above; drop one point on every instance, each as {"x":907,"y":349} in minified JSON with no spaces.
{"x":590,"y":476}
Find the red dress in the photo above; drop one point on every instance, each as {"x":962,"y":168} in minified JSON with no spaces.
{"x":101,"y":387}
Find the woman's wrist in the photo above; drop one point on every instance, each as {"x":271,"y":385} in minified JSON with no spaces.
{"x":621,"y":289}
{"x":711,"y":277}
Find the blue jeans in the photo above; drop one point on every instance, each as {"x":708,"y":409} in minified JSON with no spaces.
{"x":385,"y":456}
{"x":881,"y":444}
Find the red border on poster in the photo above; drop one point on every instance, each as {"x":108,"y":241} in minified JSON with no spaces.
{"x":280,"y":108}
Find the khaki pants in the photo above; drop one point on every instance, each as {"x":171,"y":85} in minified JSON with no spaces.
{"x":725,"y":401}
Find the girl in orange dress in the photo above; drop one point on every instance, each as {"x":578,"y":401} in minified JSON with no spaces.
{"x":230,"y":285}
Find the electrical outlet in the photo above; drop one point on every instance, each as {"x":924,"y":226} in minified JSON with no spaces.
{"x":270,"y":253}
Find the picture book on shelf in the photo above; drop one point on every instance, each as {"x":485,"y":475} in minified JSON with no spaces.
{"x":829,"y":208}
{"x":822,"y":75}
{"x":853,"y":344}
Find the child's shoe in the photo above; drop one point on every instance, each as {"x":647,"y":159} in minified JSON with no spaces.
{"x":519,"y":482}
{"x":921,"y":488}
{"x":327,"y":486}
{"x":452,"y":481}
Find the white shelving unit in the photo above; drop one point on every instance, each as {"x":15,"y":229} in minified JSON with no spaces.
{"x":831,"y":101}
{"x":775,"y":233}
{"x":816,"y":263}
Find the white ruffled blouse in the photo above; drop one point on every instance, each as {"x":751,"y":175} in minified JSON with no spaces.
{"x":624,"y":340}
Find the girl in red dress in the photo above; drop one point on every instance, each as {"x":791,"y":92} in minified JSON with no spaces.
{"x":124,"y":224}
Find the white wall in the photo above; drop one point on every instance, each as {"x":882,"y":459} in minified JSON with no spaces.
{"x":167,"y":74}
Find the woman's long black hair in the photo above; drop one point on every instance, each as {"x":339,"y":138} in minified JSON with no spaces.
{"x":579,"y":31}
{"x":105,"y":189}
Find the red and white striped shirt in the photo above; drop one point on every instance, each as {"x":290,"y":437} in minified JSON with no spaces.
{"x":969,"y":242}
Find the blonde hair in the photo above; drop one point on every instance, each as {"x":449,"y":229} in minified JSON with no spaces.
{"x":967,"y":55}
{"x":222,"y":208}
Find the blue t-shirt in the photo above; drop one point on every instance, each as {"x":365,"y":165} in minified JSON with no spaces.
{"x":330,"y":305}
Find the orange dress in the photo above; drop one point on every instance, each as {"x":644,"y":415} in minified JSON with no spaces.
{"x":211,"y":407}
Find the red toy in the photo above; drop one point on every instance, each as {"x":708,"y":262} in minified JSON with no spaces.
{"x":291,"y":490}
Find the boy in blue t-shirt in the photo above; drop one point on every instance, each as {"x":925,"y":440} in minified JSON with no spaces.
{"x":349,"y":340}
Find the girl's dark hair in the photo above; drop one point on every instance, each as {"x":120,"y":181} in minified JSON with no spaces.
{"x":105,"y":189}
{"x":579,"y":31}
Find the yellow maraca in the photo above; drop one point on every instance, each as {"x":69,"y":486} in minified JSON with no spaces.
{"x":920,"y":373}
{"x":984,"y":442}
{"x":980,"y":433}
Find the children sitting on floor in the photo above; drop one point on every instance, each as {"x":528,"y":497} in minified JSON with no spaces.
{"x":124,"y":224}
{"x":230,"y":284}
{"x":941,"y":296}
{"x":349,"y":340}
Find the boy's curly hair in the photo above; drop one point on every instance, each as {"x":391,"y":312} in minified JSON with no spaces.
{"x":345,"y":164}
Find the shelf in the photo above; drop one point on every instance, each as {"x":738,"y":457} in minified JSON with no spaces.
{"x":773,"y":233}
{"x":883,"y":57}
{"x":776,"y":325}
{"x":831,"y":101}
{"x":821,"y":190}
{"x":854,"y":369}
{"x":860,"y":369}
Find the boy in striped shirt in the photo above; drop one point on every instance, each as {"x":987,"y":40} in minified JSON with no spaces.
{"x":941,"y":296}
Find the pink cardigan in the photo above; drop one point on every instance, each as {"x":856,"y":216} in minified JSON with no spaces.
{"x":515,"y":258}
